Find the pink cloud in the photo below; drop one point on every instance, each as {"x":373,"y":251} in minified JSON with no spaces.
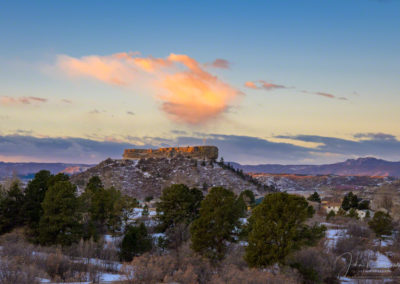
{"x":326,"y":95}
{"x":6,"y":100}
{"x":188,"y":93}
{"x":250,"y":85}
{"x":261,"y":84}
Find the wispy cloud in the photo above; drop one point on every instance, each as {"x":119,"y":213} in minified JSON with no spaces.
{"x":6,"y":100}
{"x":263,"y":85}
{"x":188,"y":92}
{"x":96,"y":111}
{"x":130,"y":113}
{"x":326,"y":95}
{"x":66,"y":101}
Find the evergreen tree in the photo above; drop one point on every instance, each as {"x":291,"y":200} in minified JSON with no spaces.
{"x":350,"y":200}
{"x":314,"y":197}
{"x":104,"y":208}
{"x":56,"y":178}
{"x":34,"y":196}
{"x":59,"y":223}
{"x":330,"y":215}
{"x":219,"y":216}
{"x":135,"y":242}
{"x":381,"y":224}
{"x":10,"y":208}
{"x":94,"y":185}
{"x":352,"y":213}
{"x":277,"y":227}
{"x":178,"y":204}
{"x":363,"y":205}
{"x":248,"y":197}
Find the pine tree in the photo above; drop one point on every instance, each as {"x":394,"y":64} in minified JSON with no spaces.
{"x":381,"y":224}
{"x":60,"y":223}
{"x":277,"y":227}
{"x":34,"y":196}
{"x":178,"y":204}
{"x":350,"y":200}
{"x":352,"y":213}
{"x":10,"y":208}
{"x":135,"y":242}
{"x":248,"y":197}
{"x":314,"y":197}
{"x":104,"y":208}
{"x":219,"y":216}
{"x":330,"y":215}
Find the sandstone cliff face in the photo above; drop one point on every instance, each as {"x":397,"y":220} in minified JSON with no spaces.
{"x":148,"y":177}
{"x":195,"y":152}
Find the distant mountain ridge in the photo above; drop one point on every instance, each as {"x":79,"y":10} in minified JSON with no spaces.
{"x":368,"y":166}
{"x":27,"y":170}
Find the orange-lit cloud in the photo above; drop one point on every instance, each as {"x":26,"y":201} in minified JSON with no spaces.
{"x":110,"y":69}
{"x":250,"y":85}
{"x":261,"y":84}
{"x":188,"y":92}
{"x":5,"y":100}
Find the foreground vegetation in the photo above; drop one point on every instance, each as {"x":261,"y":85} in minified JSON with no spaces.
{"x":51,"y":231}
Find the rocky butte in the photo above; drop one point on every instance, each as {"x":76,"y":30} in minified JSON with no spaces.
{"x":194,"y":152}
{"x":146,"y":172}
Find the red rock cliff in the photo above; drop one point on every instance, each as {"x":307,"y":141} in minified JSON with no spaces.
{"x":196,"y":152}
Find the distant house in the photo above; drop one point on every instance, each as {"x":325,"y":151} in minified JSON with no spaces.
{"x":331,"y":206}
{"x":363,"y":213}
{"x":335,"y":206}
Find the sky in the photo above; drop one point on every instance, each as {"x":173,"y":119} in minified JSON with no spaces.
{"x":292,"y":82}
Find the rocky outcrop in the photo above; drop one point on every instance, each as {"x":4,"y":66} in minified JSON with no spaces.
{"x":148,"y":177}
{"x":291,"y":182}
{"x":194,"y":152}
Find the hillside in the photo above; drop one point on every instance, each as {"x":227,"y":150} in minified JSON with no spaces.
{"x":352,"y":167}
{"x":147,"y":177}
{"x":292,"y":182}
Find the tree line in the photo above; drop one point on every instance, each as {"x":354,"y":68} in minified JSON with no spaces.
{"x":53,"y":213}
{"x":275,"y":229}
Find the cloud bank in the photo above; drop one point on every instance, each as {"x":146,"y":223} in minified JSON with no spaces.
{"x":242,"y":149}
{"x":187,"y":91}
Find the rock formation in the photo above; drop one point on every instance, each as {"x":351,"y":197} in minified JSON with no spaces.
{"x":194,"y":152}
{"x":148,"y":177}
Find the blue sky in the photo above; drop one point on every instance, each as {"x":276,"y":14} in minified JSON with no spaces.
{"x":319,"y":68}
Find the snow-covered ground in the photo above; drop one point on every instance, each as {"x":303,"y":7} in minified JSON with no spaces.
{"x":333,"y":235}
{"x":138,"y":213}
{"x":381,"y":261}
{"x":103,"y":277}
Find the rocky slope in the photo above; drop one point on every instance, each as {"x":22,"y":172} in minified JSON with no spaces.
{"x":352,"y":167}
{"x":147,"y":177}
{"x":291,"y":182}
